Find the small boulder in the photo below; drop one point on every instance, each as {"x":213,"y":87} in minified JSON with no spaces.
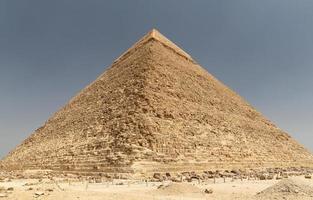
{"x":38,"y":194}
{"x":285,"y":176}
{"x":262,"y":177}
{"x":236,"y":172}
{"x":157,"y":176}
{"x":162,"y":186}
{"x":208,"y":191}
{"x":270,"y":177}
{"x":98,"y":180}
{"x":49,"y":190}
{"x":176,"y":179}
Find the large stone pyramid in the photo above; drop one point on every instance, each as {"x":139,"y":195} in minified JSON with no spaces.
{"x":156,"y":110}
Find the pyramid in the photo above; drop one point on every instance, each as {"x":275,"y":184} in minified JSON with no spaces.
{"x":156,"y":110}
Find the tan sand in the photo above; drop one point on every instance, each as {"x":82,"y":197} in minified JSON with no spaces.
{"x":135,"y":190}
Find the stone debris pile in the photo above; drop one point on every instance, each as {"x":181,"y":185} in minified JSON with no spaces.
{"x":178,"y":188}
{"x":290,"y":189}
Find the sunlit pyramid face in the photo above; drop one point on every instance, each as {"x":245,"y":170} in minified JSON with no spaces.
{"x":156,"y":110}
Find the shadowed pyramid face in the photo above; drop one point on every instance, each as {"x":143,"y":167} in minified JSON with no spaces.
{"x":156,"y":110}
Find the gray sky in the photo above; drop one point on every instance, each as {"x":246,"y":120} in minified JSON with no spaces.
{"x":49,"y":50}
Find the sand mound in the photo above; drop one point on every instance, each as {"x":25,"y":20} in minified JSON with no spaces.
{"x":287,"y":189}
{"x":178,"y":188}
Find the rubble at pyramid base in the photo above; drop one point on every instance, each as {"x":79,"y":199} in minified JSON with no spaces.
{"x":166,"y":172}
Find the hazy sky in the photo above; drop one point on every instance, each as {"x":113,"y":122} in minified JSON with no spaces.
{"x":49,"y":50}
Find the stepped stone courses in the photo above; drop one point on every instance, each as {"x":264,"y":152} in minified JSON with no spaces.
{"x":156,"y":110}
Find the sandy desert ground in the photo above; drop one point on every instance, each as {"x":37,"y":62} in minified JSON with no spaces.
{"x":46,"y":189}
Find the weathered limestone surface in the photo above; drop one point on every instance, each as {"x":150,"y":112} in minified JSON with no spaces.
{"x":156,"y":110}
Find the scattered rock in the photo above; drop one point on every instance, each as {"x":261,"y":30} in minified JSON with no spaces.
{"x":270,"y":177}
{"x":162,"y":186}
{"x":176,"y":179}
{"x":29,"y":184}
{"x":208,"y":191}
{"x":3,"y":195}
{"x":262,"y":177}
{"x":157,"y":176}
{"x":38,"y":194}
{"x":98,"y":180}
{"x":10,"y":189}
{"x":236,"y":172}
{"x":308,"y":176}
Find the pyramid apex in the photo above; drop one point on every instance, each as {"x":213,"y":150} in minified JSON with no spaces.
{"x":154,"y":29}
{"x":154,"y":34}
